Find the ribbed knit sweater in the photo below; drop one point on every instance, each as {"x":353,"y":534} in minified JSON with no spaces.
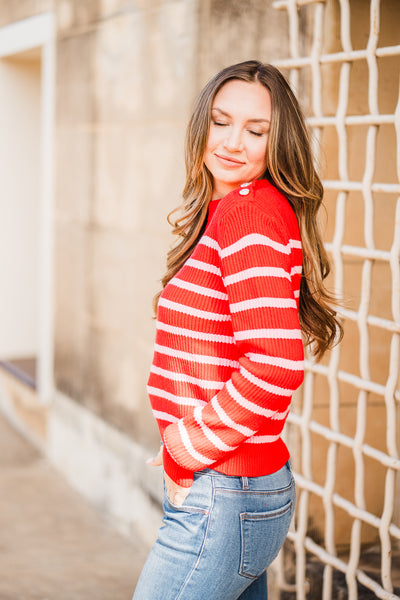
{"x":228,"y":350}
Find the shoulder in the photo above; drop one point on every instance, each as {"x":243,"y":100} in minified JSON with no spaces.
{"x":255,"y":206}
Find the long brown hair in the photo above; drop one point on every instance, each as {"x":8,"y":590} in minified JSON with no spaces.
{"x":290,"y":168}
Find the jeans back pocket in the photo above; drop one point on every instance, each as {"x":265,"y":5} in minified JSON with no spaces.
{"x":262,"y":535}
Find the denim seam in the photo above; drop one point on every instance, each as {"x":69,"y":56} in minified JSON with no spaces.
{"x":186,"y":508}
{"x":259,"y":492}
{"x":266,"y":515}
{"x":203,"y":544}
{"x":242,"y":554}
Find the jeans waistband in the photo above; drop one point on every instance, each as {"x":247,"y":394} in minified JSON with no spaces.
{"x":240,"y":481}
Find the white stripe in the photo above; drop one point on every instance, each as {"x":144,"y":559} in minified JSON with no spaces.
{"x":264,"y":385}
{"x":199,"y":358}
{"x":296,"y":270}
{"x":163,"y":416}
{"x":256,"y":272}
{"x":210,"y":435}
{"x":276,"y":361}
{"x":262,"y":439}
{"x":296,"y":294}
{"x":284,"y":334}
{"x":203,"y":266}
{"x":203,"y":383}
{"x":262,"y":303}
{"x":198,"y":289}
{"x":179,"y":400}
{"x":251,"y":406}
{"x":209,"y":242}
{"x":194,"y":312}
{"x":196,"y":335}
{"x":189,"y":448}
{"x":246,"y":431}
{"x":257,"y":239}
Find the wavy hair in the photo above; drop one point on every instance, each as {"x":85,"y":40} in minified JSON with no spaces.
{"x":290,"y":168}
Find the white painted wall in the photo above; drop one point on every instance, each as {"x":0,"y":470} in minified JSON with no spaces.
{"x":27,"y":106}
{"x":20,"y":80}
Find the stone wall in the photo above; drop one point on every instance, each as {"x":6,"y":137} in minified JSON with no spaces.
{"x":127,"y":75}
{"x":12,"y":11}
{"x":384,"y":207}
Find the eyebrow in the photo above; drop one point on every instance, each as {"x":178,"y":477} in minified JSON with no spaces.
{"x":249,"y":120}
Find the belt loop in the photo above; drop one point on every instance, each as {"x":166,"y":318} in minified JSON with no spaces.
{"x":245,"y":483}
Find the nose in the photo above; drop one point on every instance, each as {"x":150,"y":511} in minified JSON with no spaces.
{"x":233,"y":141}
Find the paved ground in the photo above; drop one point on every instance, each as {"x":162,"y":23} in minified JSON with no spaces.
{"x":53,"y":544}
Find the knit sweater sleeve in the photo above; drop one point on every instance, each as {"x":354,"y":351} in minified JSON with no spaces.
{"x":257,"y":253}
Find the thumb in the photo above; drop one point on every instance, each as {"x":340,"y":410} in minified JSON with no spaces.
{"x":156,"y":461}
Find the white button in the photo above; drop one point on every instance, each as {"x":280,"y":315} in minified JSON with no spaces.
{"x":244,"y":184}
{"x":244,"y":192}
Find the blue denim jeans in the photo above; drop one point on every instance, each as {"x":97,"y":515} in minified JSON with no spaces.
{"x":218,"y":545}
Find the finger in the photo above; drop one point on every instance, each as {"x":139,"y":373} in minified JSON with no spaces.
{"x":180,"y":497}
{"x":155,"y":461}
{"x":176,"y":493}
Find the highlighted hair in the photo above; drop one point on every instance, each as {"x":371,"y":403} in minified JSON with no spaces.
{"x":290,"y":168}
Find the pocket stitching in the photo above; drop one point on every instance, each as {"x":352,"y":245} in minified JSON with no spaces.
{"x":254,"y":517}
{"x":266,"y":515}
{"x":259,"y":492}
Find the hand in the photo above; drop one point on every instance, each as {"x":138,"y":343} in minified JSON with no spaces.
{"x":176,"y":493}
{"x":156,"y":461}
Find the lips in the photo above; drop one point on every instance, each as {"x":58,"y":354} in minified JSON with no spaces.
{"x":229,"y":161}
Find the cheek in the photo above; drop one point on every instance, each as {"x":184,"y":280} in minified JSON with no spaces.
{"x":208,"y":152}
{"x":212,"y":141}
{"x":259,"y":154}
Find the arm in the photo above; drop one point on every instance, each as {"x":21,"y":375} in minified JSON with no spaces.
{"x":256,"y":257}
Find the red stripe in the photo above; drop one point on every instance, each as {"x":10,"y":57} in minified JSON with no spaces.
{"x":266,"y":212}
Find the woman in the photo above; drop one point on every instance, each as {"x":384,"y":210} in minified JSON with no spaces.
{"x":244,"y":287}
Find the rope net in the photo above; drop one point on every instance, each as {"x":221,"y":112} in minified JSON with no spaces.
{"x":343,"y":431}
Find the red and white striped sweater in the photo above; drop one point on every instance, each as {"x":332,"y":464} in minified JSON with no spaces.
{"x":228,"y":350}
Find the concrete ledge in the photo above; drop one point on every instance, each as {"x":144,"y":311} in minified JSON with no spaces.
{"x":101,"y":463}
{"x":20,"y":404}
{"x":107,"y":467}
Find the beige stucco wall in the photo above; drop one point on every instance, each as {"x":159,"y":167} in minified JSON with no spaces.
{"x":127,"y":75}
{"x":12,"y":11}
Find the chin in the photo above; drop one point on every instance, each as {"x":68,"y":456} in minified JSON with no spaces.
{"x":231,"y":180}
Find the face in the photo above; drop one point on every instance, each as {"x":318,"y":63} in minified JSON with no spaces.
{"x":236,"y":147}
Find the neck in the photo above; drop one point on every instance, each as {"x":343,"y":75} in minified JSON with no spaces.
{"x":221,"y":190}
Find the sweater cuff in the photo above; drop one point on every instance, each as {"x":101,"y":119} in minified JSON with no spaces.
{"x":178,"y":474}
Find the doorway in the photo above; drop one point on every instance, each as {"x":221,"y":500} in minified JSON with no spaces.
{"x":26,"y":224}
